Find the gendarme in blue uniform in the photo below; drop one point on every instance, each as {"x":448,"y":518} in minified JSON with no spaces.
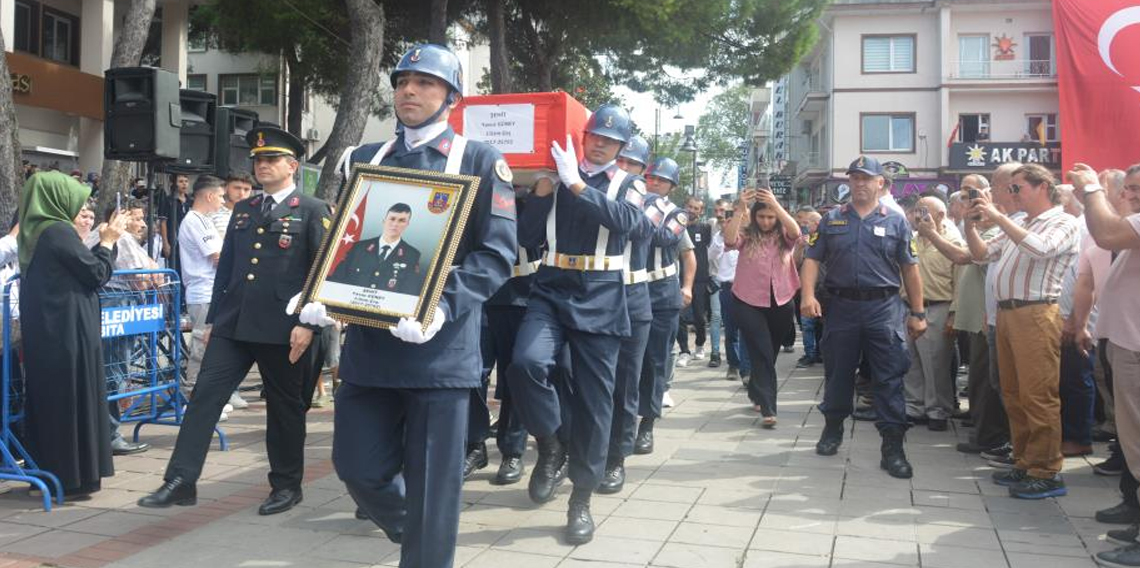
{"x":863,"y":257}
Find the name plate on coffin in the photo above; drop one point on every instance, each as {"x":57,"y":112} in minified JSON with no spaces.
{"x":509,"y":127}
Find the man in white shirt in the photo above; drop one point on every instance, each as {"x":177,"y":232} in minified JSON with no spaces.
{"x":239,"y":185}
{"x":199,"y":248}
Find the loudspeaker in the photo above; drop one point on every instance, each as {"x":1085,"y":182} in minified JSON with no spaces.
{"x":199,"y":115}
{"x":141,"y":114}
{"x":231,"y":151}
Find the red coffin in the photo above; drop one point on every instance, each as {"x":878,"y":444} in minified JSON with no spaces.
{"x":522,"y":125}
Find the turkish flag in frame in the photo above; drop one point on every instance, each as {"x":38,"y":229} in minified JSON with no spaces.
{"x":1098,"y":75}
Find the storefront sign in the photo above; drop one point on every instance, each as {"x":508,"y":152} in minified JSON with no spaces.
{"x":989,"y":155}
{"x":509,"y":128}
{"x":781,"y":185}
{"x":21,"y":84}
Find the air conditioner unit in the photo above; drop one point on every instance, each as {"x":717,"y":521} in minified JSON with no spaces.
{"x":312,"y":134}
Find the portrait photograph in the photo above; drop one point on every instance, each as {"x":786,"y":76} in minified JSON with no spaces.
{"x":387,"y":253}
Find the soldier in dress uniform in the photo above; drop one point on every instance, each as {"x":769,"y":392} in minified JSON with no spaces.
{"x":633,"y":159}
{"x":271,"y":241}
{"x":386,"y":262}
{"x":402,"y":408}
{"x":865,"y":246}
{"x":577,"y":299}
{"x":667,"y":295}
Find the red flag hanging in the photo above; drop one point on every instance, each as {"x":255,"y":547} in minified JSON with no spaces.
{"x":1098,"y":72}
{"x":351,"y":233}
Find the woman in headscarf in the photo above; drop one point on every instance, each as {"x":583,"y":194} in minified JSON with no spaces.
{"x":67,"y":429}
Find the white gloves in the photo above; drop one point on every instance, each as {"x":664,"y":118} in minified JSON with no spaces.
{"x":409,"y":329}
{"x":312,"y":314}
{"x":566,"y":161}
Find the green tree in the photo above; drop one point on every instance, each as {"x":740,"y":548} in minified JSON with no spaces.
{"x":11,"y":172}
{"x":723,"y":128}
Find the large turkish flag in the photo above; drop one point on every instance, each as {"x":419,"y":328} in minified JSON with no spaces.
{"x":1098,"y":71}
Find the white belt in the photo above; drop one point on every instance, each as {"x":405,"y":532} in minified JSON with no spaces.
{"x":662,"y":273}
{"x":583,"y":261}
{"x":636,"y":277}
{"x":526,"y":268}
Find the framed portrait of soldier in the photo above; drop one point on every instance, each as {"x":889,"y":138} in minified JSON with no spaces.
{"x":388,"y":250}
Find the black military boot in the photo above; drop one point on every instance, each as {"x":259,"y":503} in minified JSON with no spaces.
{"x":476,"y":459}
{"x":614,"y":480}
{"x":894,"y":458}
{"x":510,"y":471}
{"x":548,"y":471}
{"x":831,"y":438}
{"x":644,"y":442}
{"x":579,"y":523}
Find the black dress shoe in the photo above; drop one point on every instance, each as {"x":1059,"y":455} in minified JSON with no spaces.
{"x":579,"y":523}
{"x":865,"y":414}
{"x":361,"y":515}
{"x":121,"y":447}
{"x":831,"y":438}
{"x":176,"y":491}
{"x":937,"y":425}
{"x":1121,"y":514}
{"x":643,"y":444}
{"x":476,"y":459}
{"x":510,"y":471}
{"x":548,"y":470}
{"x":279,"y":501}
{"x":614,"y":479}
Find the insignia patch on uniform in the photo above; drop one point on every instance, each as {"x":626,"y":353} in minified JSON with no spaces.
{"x":326,"y":222}
{"x":812,"y":238}
{"x":913,"y":247}
{"x":655,"y":214}
{"x":504,"y":171}
{"x":294,"y":201}
{"x":837,"y":222}
{"x":439,"y":202}
{"x":503,"y":202}
{"x":284,"y":241}
{"x":677,"y":224}
{"x":445,"y":146}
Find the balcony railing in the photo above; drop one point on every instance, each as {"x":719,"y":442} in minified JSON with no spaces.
{"x":1003,"y":70}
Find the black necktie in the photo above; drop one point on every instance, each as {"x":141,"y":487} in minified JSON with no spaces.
{"x":384,"y":252}
{"x":267,"y":206}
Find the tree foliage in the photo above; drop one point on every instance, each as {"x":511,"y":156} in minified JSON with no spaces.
{"x":723,"y":128}
{"x":11,"y":173}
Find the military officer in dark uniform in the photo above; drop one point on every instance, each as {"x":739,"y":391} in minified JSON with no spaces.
{"x":865,"y":246}
{"x":402,"y":408}
{"x":633,"y":159}
{"x":386,"y":262}
{"x":271,"y":242}
{"x":667,"y":295}
{"x":577,"y":299}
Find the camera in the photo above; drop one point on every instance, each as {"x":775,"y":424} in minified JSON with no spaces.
{"x":975,"y":194}
{"x":728,"y":214}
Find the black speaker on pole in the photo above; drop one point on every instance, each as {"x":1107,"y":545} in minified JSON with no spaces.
{"x":199,"y":116}
{"x":231,"y":151}
{"x":141,"y":114}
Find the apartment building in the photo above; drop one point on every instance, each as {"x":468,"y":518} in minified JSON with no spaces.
{"x":934,"y":90}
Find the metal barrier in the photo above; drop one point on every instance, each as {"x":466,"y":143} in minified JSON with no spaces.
{"x":143,"y":342}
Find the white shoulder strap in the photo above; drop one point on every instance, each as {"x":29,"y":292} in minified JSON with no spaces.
{"x":384,"y":151}
{"x":552,"y":224}
{"x":611,"y":194}
{"x":455,"y":156}
{"x":345,"y":162}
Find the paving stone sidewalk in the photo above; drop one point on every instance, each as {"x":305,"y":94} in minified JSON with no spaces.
{"x":719,"y":491}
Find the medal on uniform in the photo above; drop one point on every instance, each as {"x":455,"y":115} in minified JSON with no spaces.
{"x":392,"y":284}
{"x":284,"y":241}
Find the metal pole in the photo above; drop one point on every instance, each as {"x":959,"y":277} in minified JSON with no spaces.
{"x":694,"y":172}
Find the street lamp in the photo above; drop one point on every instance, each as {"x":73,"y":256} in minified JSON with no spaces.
{"x":690,"y":145}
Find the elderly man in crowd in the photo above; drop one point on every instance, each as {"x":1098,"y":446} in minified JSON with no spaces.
{"x":929,"y":396}
{"x":1030,"y":258}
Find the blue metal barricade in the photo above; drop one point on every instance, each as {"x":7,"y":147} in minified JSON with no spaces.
{"x":143,"y":346}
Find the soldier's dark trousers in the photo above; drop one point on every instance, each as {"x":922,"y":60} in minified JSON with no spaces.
{"x":400,"y":454}
{"x":288,"y":390}
{"x":593,"y":360}
{"x":873,"y":329}
{"x":626,"y":390}
{"x":503,"y":324}
{"x":657,"y":365}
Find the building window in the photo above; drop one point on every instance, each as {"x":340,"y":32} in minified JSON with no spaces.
{"x":974,"y":56}
{"x":60,"y":37}
{"x":974,"y":127}
{"x":25,"y":36}
{"x":248,"y":90}
{"x":196,"y":82}
{"x":887,"y":132}
{"x":888,"y":54}
{"x":1041,"y":124}
{"x":1041,"y":61}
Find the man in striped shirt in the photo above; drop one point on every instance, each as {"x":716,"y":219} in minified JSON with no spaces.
{"x":1031,"y":258}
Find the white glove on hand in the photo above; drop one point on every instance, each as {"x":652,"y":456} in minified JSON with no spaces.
{"x":567,"y":162}
{"x":409,"y":329}
{"x":312,"y":314}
